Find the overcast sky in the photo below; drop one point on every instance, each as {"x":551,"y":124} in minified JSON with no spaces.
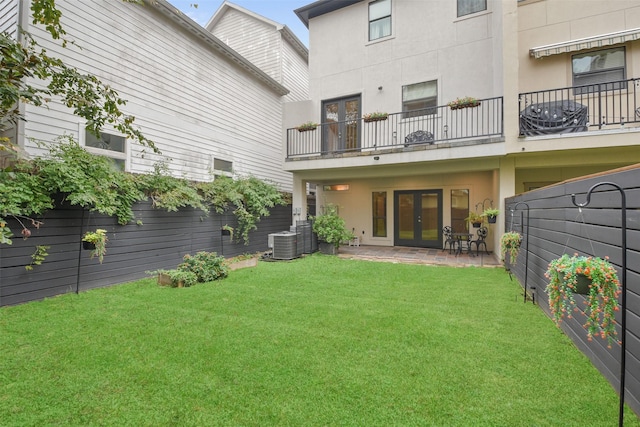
{"x":280,"y":11}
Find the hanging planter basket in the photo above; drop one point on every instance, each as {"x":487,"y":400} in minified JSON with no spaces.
{"x":593,"y":277}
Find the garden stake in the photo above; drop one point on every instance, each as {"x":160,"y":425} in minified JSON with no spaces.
{"x":623,"y":302}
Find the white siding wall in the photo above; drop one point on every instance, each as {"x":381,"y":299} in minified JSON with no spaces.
{"x":256,"y":40}
{"x":9,"y":16}
{"x":192,"y":102}
{"x":295,"y":74}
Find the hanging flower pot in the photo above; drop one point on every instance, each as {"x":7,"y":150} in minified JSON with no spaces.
{"x":491,"y":214}
{"x":566,"y":276}
{"x":510,"y":243}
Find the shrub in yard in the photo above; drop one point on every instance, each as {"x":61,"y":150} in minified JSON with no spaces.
{"x":207,"y":266}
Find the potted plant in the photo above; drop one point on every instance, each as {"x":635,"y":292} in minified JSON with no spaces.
{"x":227,"y":230}
{"x":375,"y":117}
{"x":510,"y":243}
{"x":491,"y":215}
{"x":466,"y":102}
{"x":307,"y":127}
{"x":601,"y":289}
{"x":96,"y":241}
{"x":475,"y":219}
{"x":331,"y":230}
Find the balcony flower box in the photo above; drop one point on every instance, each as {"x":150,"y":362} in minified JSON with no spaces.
{"x":305,"y":127}
{"x":375,"y":117}
{"x":466,"y":102}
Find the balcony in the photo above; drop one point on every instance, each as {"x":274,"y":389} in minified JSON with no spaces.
{"x":400,"y":131}
{"x":580,"y":108}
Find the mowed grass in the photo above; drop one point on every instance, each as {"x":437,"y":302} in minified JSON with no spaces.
{"x":318,"y":341}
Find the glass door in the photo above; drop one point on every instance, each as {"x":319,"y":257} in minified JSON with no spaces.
{"x":418,"y":218}
{"x":341,"y":118}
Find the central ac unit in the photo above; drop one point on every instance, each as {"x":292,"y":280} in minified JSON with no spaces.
{"x":284,"y":245}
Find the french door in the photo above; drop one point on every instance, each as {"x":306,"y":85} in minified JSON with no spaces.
{"x":418,"y":218}
{"x":341,"y":128}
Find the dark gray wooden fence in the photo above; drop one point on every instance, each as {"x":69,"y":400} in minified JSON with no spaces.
{"x":556,"y":227}
{"x":161,"y":241}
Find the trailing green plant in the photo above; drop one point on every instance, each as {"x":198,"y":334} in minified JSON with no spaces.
{"x":87,"y":180}
{"x":249,"y":197}
{"x":330,"y":227}
{"x":37,"y":257}
{"x":510,"y":243}
{"x":168,"y":192}
{"x":207,"y":266}
{"x":601,"y":301}
{"x":28,"y":187}
{"x":99,"y":239}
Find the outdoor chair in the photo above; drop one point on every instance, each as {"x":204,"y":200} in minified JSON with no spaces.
{"x":481,"y":240}
{"x":447,"y":233}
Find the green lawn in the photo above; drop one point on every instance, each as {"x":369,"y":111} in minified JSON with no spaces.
{"x":318,"y":341}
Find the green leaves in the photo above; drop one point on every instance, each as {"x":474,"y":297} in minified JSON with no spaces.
{"x":94,"y":183}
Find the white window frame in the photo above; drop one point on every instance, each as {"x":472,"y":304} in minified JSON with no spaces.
{"x":369,"y":21}
{"x":464,"y":15}
{"x":220,"y":172}
{"x":116,"y":155}
{"x":407,"y":114}
{"x":601,"y":72}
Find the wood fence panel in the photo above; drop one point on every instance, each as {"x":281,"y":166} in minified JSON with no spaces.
{"x":156,"y":239}
{"x":557,"y":226}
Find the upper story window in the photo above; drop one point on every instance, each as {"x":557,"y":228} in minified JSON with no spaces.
{"x":108,"y":145}
{"x":379,"y":19}
{"x":594,"y":68}
{"x":467,"y":7}
{"x":419,"y":99}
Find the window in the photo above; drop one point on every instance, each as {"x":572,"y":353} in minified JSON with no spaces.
{"x":459,"y":210}
{"x":379,"y":19}
{"x":220,"y":165}
{"x":593,"y":68}
{"x":419,"y":99}
{"x":108,"y":145}
{"x":467,"y":7}
{"x":379,"y":214}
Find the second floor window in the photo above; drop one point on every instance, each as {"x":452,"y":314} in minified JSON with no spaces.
{"x":467,"y":7}
{"x":595,"y":68}
{"x":419,"y":99}
{"x":379,"y":19}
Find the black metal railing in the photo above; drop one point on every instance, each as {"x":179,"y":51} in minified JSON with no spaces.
{"x":400,"y":130}
{"x":579,"y":108}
